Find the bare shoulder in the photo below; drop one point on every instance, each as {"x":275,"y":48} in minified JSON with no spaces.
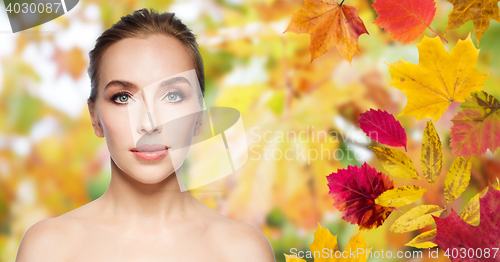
{"x":42,"y":241}
{"x":243,"y":242}
{"x":48,"y":239}
{"x":237,"y":241}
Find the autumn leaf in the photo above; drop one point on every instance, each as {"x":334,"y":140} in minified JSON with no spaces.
{"x":477,"y":127}
{"x":406,"y":20}
{"x":383,"y":128}
{"x":479,"y":11}
{"x":439,"y":79}
{"x":357,"y":243}
{"x":354,"y":191}
{"x":417,"y":218}
{"x":432,"y":153}
{"x":324,"y":239}
{"x":457,"y":179}
{"x":396,"y":162}
{"x":400,"y":196}
{"x":293,"y":258}
{"x":71,"y":61}
{"x":454,"y":233}
{"x":470,"y":213}
{"x":329,"y":25}
{"x":423,"y":240}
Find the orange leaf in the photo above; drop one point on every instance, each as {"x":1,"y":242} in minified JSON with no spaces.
{"x":329,"y":25}
{"x":479,"y":11}
{"x":71,"y":61}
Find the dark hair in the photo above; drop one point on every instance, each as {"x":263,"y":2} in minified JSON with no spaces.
{"x":143,"y":23}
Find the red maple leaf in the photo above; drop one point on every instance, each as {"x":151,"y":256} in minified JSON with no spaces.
{"x":455,"y":233}
{"x":383,"y":128}
{"x":354,"y":191}
{"x":405,"y":19}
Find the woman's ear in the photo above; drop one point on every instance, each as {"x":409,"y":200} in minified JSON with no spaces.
{"x":95,"y":121}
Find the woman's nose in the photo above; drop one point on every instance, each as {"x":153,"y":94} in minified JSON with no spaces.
{"x":149,"y":124}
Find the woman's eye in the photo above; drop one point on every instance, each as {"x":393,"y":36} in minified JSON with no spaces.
{"x":122,"y":98}
{"x":173,"y":97}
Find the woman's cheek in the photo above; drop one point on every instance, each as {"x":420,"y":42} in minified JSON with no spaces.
{"x":116,"y":126}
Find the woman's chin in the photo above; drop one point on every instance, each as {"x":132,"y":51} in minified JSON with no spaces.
{"x":149,"y":174}
{"x":146,"y":172}
{"x":151,"y":177}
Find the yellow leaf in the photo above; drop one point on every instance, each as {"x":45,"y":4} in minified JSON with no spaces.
{"x":432,"y":153}
{"x":470,"y":213}
{"x":457,"y":179}
{"x":479,"y":11}
{"x":422,"y":240}
{"x":323,"y":239}
{"x":496,"y":185}
{"x":395,"y":162}
{"x":357,"y":243}
{"x":439,"y":79}
{"x":293,"y":259}
{"x":400,"y":196}
{"x":417,"y":218}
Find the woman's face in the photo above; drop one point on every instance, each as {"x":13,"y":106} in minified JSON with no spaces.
{"x":148,"y":105}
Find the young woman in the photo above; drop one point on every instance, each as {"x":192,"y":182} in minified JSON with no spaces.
{"x":145,"y":71}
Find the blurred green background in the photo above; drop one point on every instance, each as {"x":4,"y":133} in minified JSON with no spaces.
{"x":51,"y":162}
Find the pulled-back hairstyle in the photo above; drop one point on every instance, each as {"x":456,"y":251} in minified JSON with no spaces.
{"x":143,"y":23}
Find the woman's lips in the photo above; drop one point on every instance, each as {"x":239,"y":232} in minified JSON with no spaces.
{"x":150,"y":152}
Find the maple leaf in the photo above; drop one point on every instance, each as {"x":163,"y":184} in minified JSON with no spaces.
{"x":383,"y":128}
{"x":477,"y":127}
{"x":479,"y":11}
{"x":324,"y":239}
{"x":294,"y":258}
{"x":329,"y":25}
{"x":431,"y":153}
{"x":453,"y":232}
{"x":405,"y":19}
{"x":439,"y":79}
{"x":354,"y":191}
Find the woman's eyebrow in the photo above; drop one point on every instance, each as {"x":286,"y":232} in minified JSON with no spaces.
{"x":129,"y":85}
{"x":178,"y":79}
{"x":121,"y":83}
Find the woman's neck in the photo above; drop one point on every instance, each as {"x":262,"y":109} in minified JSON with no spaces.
{"x":131,"y":201}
